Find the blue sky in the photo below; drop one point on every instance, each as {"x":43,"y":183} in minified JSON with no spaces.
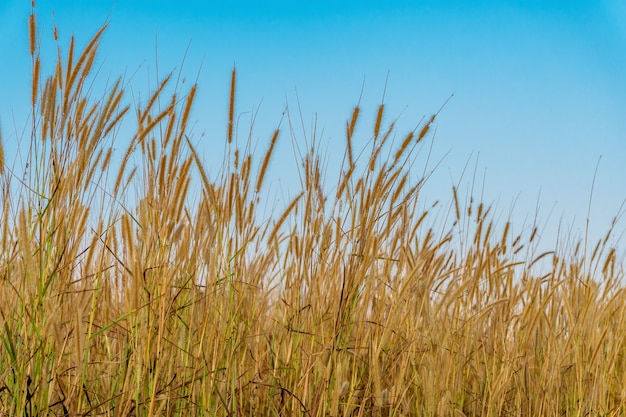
{"x":539,"y":91}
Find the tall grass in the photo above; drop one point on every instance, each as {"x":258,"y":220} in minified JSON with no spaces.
{"x":349,"y":301}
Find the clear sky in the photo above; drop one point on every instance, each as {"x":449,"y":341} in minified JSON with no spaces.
{"x":539,"y":86}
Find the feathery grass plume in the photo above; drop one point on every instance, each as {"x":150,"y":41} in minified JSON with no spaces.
{"x":231,"y":105}
{"x":171,"y":125}
{"x":379,"y":119}
{"x":241,"y":186}
{"x":121,"y":113}
{"x":608,"y":268}
{"x":161,"y":186}
{"x":143,"y":114}
{"x":83,"y":65}
{"x":107,"y":159}
{"x":381,"y":108}
{"x":244,"y":174}
{"x":35,"y":83}
{"x":48,"y":109}
{"x":421,"y":135}
{"x":181,"y":188}
{"x":426,"y":128}
{"x":70,"y":63}
{"x":533,"y":234}
{"x":349,"y":132}
{"x":283,"y":217}
{"x":399,"y":189}
{"x":504,"y":236}
{"x":266,"y":161}
{"x":107,"y":120}
{"x":32,"y":36}
{"x":122,"y":169}
{"x":403,"y":146}
{"x":208,"y":188}
{"x":188,"y":104}
{"x":457,"y":211}
{"x":378,"y":147}
{"x":152,"y":123}
{"x":345,"y":180}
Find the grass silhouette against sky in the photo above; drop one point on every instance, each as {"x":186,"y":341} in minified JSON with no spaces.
{"x":538,"y":87}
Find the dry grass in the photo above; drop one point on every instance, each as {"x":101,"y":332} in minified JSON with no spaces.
{"x":346,"y":303}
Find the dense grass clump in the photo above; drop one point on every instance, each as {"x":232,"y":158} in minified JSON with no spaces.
{"x":125,"y":295}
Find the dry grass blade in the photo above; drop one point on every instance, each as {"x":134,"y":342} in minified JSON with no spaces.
{"x":134,"y":296}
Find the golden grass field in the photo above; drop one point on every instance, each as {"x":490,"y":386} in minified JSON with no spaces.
{"x":121,"y":297}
